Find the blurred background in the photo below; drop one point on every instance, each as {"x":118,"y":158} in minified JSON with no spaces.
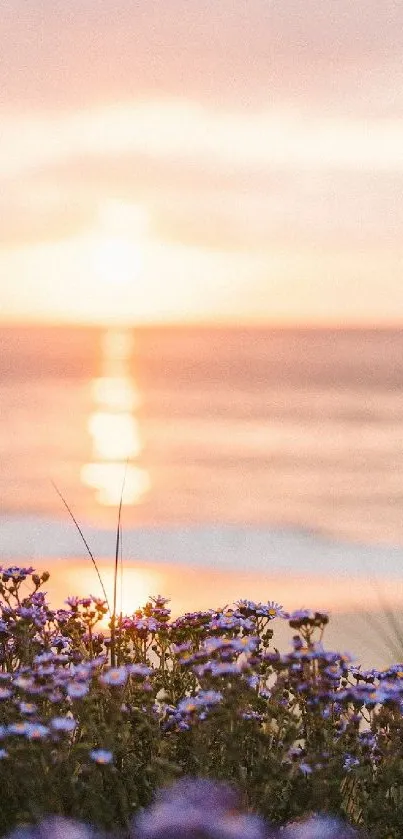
{"x":201,"y":301}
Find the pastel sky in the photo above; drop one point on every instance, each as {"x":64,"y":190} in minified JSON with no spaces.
{"x":176,"y":160}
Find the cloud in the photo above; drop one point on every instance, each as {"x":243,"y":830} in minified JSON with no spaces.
{"x":335,"y":53}
{"x":229,"y":181}
{"x":264,"y":140}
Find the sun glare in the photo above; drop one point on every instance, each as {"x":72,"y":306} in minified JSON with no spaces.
{"x":118,"y":243}
{"x":107,"y":479}
{"x":137,"y":586}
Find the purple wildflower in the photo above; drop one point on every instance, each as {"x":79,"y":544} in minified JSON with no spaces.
{"x":44,"y":658}
{"x":31,"y":730}
{"x":349,"y":762}
{"x":24,"y":682}
{"x":28,"y":708}
{"x":188,"y":705}
{"x":270,"y":610}
{"x":15,"y":573}
{"x":251,"y":715}
{"x":63,"y":723}
{"x":36,"y":731}
{"x":54,"y":828}
{"x":5,"y":693}
{"x":197,"y":809}
{"x":246,"y":644}
{"x":181,"y":648}
{"x":305,"y":768}
{"x":101,"y":756}
{"x":115,"y":676}
{"x":73,"y":602}
{"x":233,"y":621}
{"x":142,"y":625}
{"x":209,"y":697}
{"x":76,"y":690}
{"x":220,"y":668}
{"x":18,"y":728}
{"x":140,"y":670}
{"x":319,"y":827}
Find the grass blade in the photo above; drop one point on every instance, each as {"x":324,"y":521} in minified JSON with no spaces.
{"x":116,"y":570}
{"x":71,"y":514}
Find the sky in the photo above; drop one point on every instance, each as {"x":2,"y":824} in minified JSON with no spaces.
{"x":195,"y":160}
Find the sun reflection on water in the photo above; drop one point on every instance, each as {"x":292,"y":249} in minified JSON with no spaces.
{"x":114,"y":427}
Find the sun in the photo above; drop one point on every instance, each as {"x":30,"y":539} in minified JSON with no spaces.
{"x":139,"y":584}
{"x":118,"y":242}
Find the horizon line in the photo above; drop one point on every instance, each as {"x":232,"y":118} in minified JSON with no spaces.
{"x":216,"y":324}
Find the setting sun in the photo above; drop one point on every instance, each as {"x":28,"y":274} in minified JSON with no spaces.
{"x":118,"y":246}
{"x":139,"y":584}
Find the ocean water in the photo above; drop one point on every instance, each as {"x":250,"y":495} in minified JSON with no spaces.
{"x":269,"y":452}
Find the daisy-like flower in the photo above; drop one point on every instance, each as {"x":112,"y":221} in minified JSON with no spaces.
{"x":36,"y":731}
{"x":140,"y":670}
{"x":222,"y":668}
{"x":24,"y":682}
{"x":212,"y":645}
{"x":101,"y":756}
{"x":19,"y":728}
{"x":247,"y":643}
{"x":63,"y":723}
{"x":73,"y":602}
{"x":115,"y":676}
{"x":76,"y":690}
{"x":306,"y":617}
{"x":188,"y":705}
{"x":251,"y":715}
{"x":44,"y":658}
{"x":271,"y":609}
{"x":319,"y":827}
{"x":54,"y":827}
{"x":28,"y":708}
{"x":230,"y":622}
{"x":5,"y":693}
{"x":15,"y":573}
{"x":349,"y":762}
{"x":209,"y":697}
{"x":197,"y":809}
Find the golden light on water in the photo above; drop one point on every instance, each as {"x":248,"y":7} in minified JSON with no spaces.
{"x":115,"y":436}
{"x":119,"y":393}
{"x":107,"y":479}
{"x":114,"y":471}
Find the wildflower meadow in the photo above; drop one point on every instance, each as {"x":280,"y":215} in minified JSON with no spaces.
{"x":94,"y":721}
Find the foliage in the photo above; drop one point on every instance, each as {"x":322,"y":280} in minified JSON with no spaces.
{"x":207,"y":695}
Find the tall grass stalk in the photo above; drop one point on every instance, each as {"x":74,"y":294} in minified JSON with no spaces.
{"x":91,"y":555}
{"x":116,"y":571}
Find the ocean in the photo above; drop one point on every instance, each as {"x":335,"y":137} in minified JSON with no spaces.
{"x":271,"y":458}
